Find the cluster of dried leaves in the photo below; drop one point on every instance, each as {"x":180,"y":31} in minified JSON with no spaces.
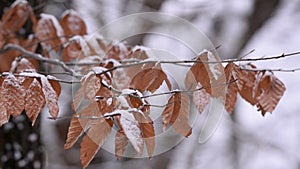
{"x":29,"y":91}
{"x":117,"y":91}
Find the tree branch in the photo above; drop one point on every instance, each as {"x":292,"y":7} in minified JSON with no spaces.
{"x":39,"y":57}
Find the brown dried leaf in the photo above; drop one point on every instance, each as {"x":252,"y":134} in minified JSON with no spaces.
{"x":149,"y":79}
{"x":138,"y":53}
{"x":78,"y":98}
{"x":16,"y":16}
{"x":177,"y":114}
{"x":3,"y":116}
{"x":117,"y":51}
{"x":148,"y":135}
{"x":94,"y":139}
{"x":50,"y":96}
{"x":147,"y":128}
{"x":55,"y":85}
{"x":91,"y":84}
{"x":34,"y":100}
{"x":121,"y":142}
{"x":200,"y":98}
{"x":171,"y":111}
{"x":80,"y":123}
{"x":8,"y":57}
{"x":181,"y":125}
{"x":3,"y":35}
{"x":246,"y":80}
{"x":24,"y":65}
{"x":12,"y":97}
{"x":72,"y":23}
{"x":272,"y":89}
{"x":49,"y":32}
{"x":232,"y":90}
{"x":73,"y":50}
{"x":209,"y":75}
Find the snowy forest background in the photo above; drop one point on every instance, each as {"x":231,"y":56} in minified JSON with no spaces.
{"x":245,"y":139}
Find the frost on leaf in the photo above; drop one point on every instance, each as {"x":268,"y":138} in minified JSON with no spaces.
{"x":209,"y":74}
{"x":200,"y":98}
{"x":232,"y":89}
{"x":117,"y":51}
{"x":246,"y":80}
{"x":34,"y":100}
{"x":94,"y":139}
{"x":149,"y":80}
{"x":49,"y":32}
{"x":50,"y":96}
{"x":72,"y":23}
{"x":177,"y":114}
{"x":23,"y":65}
{"x":90,"y":84}
{"x":12,"y":98}
{"x":121,"y":142}
{"x":272,"y":89}
{"x":132,"y":130}
{"x":75,"y":48}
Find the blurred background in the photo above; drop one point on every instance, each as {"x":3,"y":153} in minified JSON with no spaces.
{"x":244,"y":139}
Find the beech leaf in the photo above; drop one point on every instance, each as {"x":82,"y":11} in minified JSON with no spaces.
{"x":272,"y":89}
{"x":200,"y":98}
{"x":12,"y":97}
{"x":80,"y":123}
{"x":34,"y":100}
{"x":177,"y":113}
{"x":210,"y":75}
{"x":149,"y":80}
{"x":72,"y":23}
{"x":232,"y":90}
{"x":94,"y":139}
{"x":121,"y":142}
{"x":51,"y":97}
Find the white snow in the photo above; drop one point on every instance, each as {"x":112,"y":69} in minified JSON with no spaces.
{"x":19,"y":2}
{"x":131,"y":130}
{"x":55,"y":22}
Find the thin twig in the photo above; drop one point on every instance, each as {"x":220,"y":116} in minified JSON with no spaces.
{"x":58,"y":80}
{"x":273,"y":70}
{"x":39,"y":57}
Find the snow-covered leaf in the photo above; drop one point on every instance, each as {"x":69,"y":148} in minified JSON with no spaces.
{"x":132,"y":130}
{"x":51,"y":97}
{"x":200,"y":98}
{"x":49,"y":32}
{"x":34,"y":100}
{"x":121,"y":142}
{"x":16,"y":16}
{"x":246,"y":80}
{"x":209,"y":73}
{"x":12,"y":97}
{"x":72,"y":23}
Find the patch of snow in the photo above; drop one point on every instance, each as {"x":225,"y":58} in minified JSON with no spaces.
{"x":19,"y":2}
{"x":132,"y":130}
{"x":109,"y":101}
{"x":55,"y":22}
